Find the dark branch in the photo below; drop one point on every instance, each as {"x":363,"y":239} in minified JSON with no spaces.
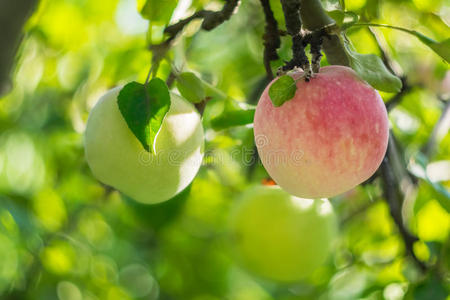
{"x":271,"y":38}
{"x":211,"y":19}
{"x":397,"y":98}
{"x":316,"y":48}
{"x":214,"y":19}
{"x":314,"y":17}
{"x":392,"y":194}
{"x":175,"y":29}
{"x":384,"y":53}
{"x":391,"y":182}
{"x":390,"y":65}
{"x":202,"y":105}
{"x":291,"y":10}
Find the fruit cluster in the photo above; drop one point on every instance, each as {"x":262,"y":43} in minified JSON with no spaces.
{"x":329,"y":138}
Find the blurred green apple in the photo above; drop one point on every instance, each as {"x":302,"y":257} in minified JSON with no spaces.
{"x":281,"y":237}
{"x":117,"y":158}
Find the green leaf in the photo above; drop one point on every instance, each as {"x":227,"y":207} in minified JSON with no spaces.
{"x":344,"y":19}
{"x":418,"y":167}
{"x":337,"y":15}
{"x":372,"y":69}
{"x":282,"y":90}
{"x":441,"y":48}
{"x":144,"y":107}
{"x":157,"y":11}
{"x":233,"y":118}
{"x":233,"y":114}
{"x":430,"y":288}
{"x":191,"y":87}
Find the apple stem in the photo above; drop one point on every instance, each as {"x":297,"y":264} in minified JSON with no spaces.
{"x":315,"y":50}
{"x":291,"y":11}
{"x":301,"y":38}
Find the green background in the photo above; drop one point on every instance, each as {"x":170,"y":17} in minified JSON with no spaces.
{"x":65,"y":236}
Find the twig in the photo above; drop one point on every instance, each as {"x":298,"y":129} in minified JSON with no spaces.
{"x":271,"y":38}
{"x":389,"y":63}
{"x":316,"y":47}
{"x":171,"y":79}
{"x":216,"y":18}
{"x":392,"y":195}
{"x":394,"y":69}
{"x":314,"y":17}
{"x":201,"y":105}
{"x":291,"y":10}
{"x":397,"y":98}
{"x":211,"y":19}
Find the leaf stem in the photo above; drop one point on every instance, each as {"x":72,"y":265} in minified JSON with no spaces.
{"x":150,"y":71}
{"x":413,"y":32}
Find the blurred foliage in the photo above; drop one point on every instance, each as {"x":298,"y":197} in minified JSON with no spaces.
{"x":65,"y":236}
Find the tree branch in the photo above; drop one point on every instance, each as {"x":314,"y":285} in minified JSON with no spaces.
{"x":214,"y":19}
{"x":291,"y":10}
{"x":13,"y":15}
{"x":314,"y":17}
{"x":211,"y":19}
{"x":392,"y":194}
{"x":271,"y":38}
{"x":394,"y":69}
{"x":397,"y":98}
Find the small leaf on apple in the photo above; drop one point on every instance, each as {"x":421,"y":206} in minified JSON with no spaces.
{"x":282,"y":90}
{"x":191,"y":87}
{"x":144,"y":107}
{"x":372,"y":69}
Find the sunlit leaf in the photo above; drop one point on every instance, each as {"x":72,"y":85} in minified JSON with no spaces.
{"x":372,"y":69}
{"x":344,"y":19}
{"x":441,"y":48}
{"x":190,"y":87}
{"x":144,"y":108}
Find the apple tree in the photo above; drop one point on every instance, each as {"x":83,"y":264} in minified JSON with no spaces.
{"x":225,"y":149}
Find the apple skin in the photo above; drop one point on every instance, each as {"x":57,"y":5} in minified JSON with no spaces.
{"x":326,"y":140}
{"x":281,"y":237}
{"x":117,"y":158}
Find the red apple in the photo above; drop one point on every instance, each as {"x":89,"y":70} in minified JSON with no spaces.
{"x":326,"y":140}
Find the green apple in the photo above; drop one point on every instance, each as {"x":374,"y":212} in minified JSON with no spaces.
{"x":117,"y":158}
{"x":281,"y":237}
